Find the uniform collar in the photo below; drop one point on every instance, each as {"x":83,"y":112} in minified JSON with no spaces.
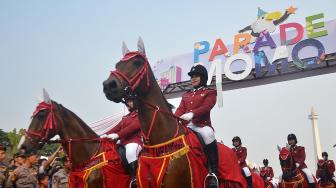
{"x":202,"y":87}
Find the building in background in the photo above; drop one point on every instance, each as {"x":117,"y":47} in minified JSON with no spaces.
{"x":172,"y":75}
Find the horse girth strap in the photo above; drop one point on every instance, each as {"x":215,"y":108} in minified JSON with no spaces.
{"x":173,"y":148}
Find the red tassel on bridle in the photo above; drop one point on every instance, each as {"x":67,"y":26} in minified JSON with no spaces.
{"x":50,"y":122}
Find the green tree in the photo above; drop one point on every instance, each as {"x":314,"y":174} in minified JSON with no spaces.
{"x":14,"y":139}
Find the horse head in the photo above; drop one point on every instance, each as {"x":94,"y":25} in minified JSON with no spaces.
{"x":132,"y":75}
{"x":322,"y":171}
{"x":287,"y":163}
{"x":45,"y":124}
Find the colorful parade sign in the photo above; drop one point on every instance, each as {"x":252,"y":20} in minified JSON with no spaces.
{"x":254,"y":47}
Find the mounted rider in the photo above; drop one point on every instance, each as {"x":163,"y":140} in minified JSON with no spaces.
{"x":299,"y":156}
{"x":266,"y":172}
{"x":129,"y":133}
{"x":195,"y":108}
{"x":330,"y":166}
{"x":241,"y":153}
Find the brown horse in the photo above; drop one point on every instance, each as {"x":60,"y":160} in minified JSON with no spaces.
{"x":325,"y":176}
{"x":292,"y":176}
{"x":92,"y":158}
{"x":161,"y":131}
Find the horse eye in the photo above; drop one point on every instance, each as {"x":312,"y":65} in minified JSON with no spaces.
{"x":137,"y":63}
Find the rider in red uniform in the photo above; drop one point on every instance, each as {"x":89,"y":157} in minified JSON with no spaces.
{"x":330,"y":166}
{"x":195,"y":108}
{"x":299,"y":156}
{"x":129,"y":133}
{"x":241,"y":153}
{"x":266,"y":172}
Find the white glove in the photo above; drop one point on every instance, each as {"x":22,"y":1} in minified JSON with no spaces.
{"x":297,"y":165}
{"x":113,"y":136}
{"x":187,"y":116}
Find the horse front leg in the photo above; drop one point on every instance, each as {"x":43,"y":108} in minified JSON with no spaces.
{"x":95,"y":179}
{"x":177,"y":174}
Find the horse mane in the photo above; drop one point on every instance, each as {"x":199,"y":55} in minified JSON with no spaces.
{"x":77,"y":118}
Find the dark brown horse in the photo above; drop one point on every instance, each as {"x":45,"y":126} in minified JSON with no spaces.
{"x":158,"y":124}
{"x":292,"y":176}
{"x":81,"y":144}
{"x":324,"y":175}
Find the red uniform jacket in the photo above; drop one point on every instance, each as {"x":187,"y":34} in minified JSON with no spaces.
{"x":266,"y":172}
{"x":241,"y":153}
{"x":200,"y":102}
{"x":330,"y":165}
{"x":299,"y":155}
{"x":128,"y":129}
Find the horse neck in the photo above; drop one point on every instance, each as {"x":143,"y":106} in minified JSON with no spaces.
{"x":164,"y":127}
{"x":75,"y":129}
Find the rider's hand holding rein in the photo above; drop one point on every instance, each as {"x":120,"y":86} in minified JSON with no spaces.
{"x":112,"y":136}
{"x":187,"y":116}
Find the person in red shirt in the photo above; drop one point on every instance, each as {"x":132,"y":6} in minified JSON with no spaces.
{"x":266,"y":172}
{"x":299,"y":156}
{"x":129,"y":133}
{"x":195,"y":108}
{"x":330,"y":165}
{"x":241,"y":153}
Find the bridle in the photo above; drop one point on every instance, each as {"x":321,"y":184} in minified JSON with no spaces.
{"x":50,"y":125}
{"x":133,"y":83}
{"x":51,"y":128}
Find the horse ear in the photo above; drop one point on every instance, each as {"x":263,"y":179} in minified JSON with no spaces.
{"x":124,"y":49}
{"x":279,"y":148}
{"x":287,"y":146}
{"x":46,"y":97}
{"x":141,"y":46}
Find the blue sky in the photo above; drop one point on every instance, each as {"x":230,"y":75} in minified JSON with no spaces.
{"x":69,"y":47}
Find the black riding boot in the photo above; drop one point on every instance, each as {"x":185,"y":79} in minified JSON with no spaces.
{"x":133,"y":169}
{"x":211,"y":152}
{"x":311,"y":185}
{"x":249,"y":181}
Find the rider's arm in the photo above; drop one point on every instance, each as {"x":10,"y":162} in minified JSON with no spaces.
{"x":116,"y":128}
{"x":132,"y":127}
{"x":331,"y":167}
{"x":181,"y":109}
{"x":207,"y":104}
{"x":271,"y":172}
{"x":301,"y":156}
{"x":243,"y":156}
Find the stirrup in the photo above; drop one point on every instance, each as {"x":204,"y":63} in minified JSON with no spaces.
{"x":132,"y":181}
{"x":211,"y":175}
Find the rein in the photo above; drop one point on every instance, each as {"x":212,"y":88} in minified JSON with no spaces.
{"x":51,"y":124}
{"x":158,"y":109}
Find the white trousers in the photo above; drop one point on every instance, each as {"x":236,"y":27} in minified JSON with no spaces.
{"x":308,"y":173}
{"x":247,"y":172}
{"x":206,"y":132}
{"x":132,"y":151}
